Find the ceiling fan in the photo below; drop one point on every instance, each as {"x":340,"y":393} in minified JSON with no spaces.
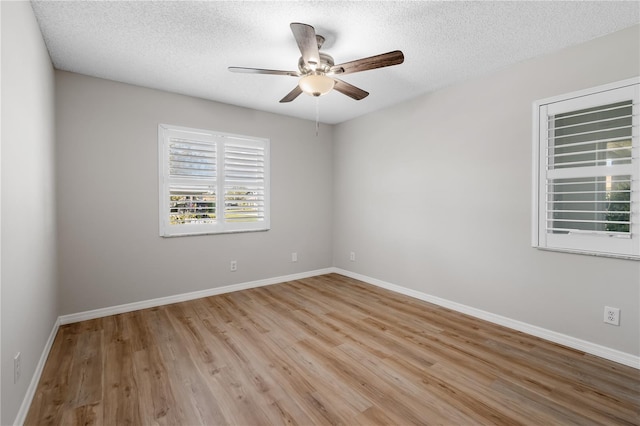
{"x":316,"y":69}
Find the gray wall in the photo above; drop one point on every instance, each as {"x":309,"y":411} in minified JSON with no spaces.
{"x":29,"y":290}
{"x":107,"y":187}
{"x":435,"y":195}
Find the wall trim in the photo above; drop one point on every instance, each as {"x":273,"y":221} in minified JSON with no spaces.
{"x":35,"y":379}
{"x":543,"y":333}
{"x":152,"y":303}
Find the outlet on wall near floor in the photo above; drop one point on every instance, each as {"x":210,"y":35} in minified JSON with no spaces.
{"x":233,"y":266}
{"x":17,"y":367}
{"x":352,"y":256}
{"x":294,"y":256}
{"x":611,"y":315}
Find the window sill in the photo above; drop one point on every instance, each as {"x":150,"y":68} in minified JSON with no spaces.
{"x":590,"y":253}
{"x":194,"y":234}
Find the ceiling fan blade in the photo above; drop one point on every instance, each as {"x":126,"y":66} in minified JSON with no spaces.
{"x":383,"y":60}
{"x":263,"y":71}
{"x":350,"y":90}
{"x":305,"y":36}
{"x":292,"y":95}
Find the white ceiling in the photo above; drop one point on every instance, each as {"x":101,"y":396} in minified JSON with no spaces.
{"x":186,"y":47}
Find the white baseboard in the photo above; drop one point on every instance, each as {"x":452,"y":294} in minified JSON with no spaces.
{"x":31,"y":390}
{"x":562,"y":339}
{"x":152,"y":303}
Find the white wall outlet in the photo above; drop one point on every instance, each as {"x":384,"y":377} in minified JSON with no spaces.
{"x":294,"y":257}
{"x":233,"y":265}
{"x":611,"y":315}
{"x":17,"y":367}
{"x":352,"y":256}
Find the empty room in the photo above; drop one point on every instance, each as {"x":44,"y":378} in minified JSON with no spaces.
{"x":320,"y":212}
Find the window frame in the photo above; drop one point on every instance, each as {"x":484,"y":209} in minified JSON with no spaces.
{"x":584,"y":242}
{"x":219,"y":140}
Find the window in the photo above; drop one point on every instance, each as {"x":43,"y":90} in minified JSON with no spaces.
{"x":587,"y":171}
{"x":212,"y":182}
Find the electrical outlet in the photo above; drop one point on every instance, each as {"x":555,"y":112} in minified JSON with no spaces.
{"x":294,"y":257}
{"x":352,"y":256}
{"x":17,"y":367}
{"x":611,"y":315}
{"x":233,"y":266}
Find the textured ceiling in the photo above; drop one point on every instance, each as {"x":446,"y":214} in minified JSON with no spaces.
{"x":186,"y":47}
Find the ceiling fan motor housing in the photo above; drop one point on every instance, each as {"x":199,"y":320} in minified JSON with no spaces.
{"x":326,"y":62}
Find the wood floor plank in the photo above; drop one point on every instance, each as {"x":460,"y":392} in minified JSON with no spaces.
{"x":121,"y":402}
{"x":157,"y":401}
{"x":404,"y":385}
{"x":84,"y":415}
{"x":325,"y":350}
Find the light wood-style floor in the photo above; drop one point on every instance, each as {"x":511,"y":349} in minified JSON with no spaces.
{"x":323,"y":350}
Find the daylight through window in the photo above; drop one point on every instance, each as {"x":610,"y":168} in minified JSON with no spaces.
{"x":212,"y":182}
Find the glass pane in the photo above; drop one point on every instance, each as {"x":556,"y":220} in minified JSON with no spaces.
{"x":191,"y":204}
{"x":244,"y":204}
{"x":193,"y":159}
{"x":600,"y":204}
{"x":598,"y":136}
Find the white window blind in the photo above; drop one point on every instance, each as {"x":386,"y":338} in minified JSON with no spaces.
{"x":588,"y":168}
{"x":244,"y":190}
{"x":212,"y":182}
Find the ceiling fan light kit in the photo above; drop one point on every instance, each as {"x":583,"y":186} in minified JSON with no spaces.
{"x":316,"y":69}
{"x":316,"y":84}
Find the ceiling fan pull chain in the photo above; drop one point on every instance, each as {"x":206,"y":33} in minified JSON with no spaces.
{"x":317,"y":116}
